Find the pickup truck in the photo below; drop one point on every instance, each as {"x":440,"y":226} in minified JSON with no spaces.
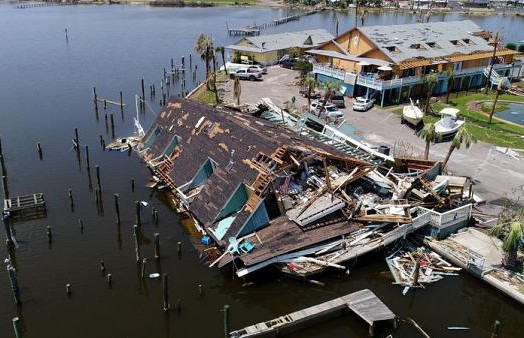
{"x":245,"y":74}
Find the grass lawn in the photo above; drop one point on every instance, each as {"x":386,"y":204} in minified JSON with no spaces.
{"x":498,"y":133}
{"x":207,"y":96}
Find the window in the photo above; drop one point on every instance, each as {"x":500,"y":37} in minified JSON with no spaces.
{"x":171,"y":146}
{"x":468,"y":42}
{"x":455,"y":43}
{"x":433,"y":45}
{"x":417,"y":46}
{"x":152,"y":137}
{"x":393,"y":49}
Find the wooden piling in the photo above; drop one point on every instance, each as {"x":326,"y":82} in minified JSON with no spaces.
{"x":102,"y":266}
{"x":109,"y":279}
{"x":153,"y":210}
{"x":68,"y":289}
{"x":157,"y":246}
{"x":16,"y":327}
{"x":117,"y":209}
{"x":11,"y":271}
{"x":179,"y":248}
{"x":49,"y":233}
{"x":138,"y":213}
{"x":165,"y":292}
{"x":4,"y":186}
{"x":97,"y":168}
{"x":112,"y":123}
{"x":95,"y":98}
{"x":121,"y":104}
{"x":77,"y":139}
{"x":102,"y":141}
{"x":2,"y":163}
{"x":39,"y":149}
{"x":143,"y":269}
{"x":200,"y":291}
{"x":87,"y":158}
{"x":1,"y":151}
{"x":190,"y":62}
{"x":132,"y":184}
{"x":71,"y":200}
{"x":172,"y":65}
{"x":137,"y":245}
{"x":105,"y":104}
{"x":143,"y":91}
{"x":179,"y":305}
{"x":227,"y":321}
{"x":7,"y":226}
{"x":81,"y":225}
{"x":156,"y":217}
{"x":496,"y":326}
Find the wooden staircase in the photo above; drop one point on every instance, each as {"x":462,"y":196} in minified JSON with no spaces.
{"x":162,"y":171}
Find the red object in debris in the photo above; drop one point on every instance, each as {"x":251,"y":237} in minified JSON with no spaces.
{"x":423,"y":263}
{"x":291,"y":266}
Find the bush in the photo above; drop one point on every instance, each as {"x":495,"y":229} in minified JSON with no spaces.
{"x":521,"y":48}
{"x":511,"y":45}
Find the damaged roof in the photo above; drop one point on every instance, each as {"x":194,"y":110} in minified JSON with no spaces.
{"x":230,"y":139}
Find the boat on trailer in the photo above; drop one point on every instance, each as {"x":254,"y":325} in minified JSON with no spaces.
{"x":412,"y":114}
{"x":449,"y":123}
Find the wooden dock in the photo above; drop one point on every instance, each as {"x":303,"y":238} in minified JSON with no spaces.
{"x":249,"y":31}
{"x":26,"y":207}
{"x":363,"y":303}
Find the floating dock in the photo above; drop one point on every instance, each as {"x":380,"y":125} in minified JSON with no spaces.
{"x":363,"y":303}
{"x":26,"y":207}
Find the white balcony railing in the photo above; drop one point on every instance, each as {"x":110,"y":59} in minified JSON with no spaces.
{"x":329,"y":71}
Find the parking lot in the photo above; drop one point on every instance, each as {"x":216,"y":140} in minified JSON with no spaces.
{"x":493,"y":172}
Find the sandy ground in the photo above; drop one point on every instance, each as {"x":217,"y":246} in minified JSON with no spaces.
{"x":494,"y":173}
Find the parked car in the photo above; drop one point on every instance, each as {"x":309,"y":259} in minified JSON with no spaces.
{"x":363,"y":104}
{"x":288,"y":63}
{"x":338,"y":100}
{"x":245,"y":74}
{"x":256,"y":69}
{"x":317,"y":104}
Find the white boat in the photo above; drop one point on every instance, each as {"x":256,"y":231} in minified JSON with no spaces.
{"x":448,"y":123}
{"x":412,"y":114}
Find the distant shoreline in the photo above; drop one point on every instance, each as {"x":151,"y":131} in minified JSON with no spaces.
{"x":276,"y":4}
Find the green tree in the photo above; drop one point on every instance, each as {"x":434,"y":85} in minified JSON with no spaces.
{"x":501,"y":86}
{"x":462,"y":137}
{"x":511,"y":45}
{"x":222,"y":51}
{"x":521,"y":48}
{"x":303,"y":66}
{"x":450,"y":75}
{"x":310,"y":84}
{"x":429,"y":135}
{"x":430,"y":81}
{"x":509,"y":226}
{"x":204,"y":47}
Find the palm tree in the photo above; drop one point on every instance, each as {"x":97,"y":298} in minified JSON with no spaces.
{"x":429,"y":135}
{"x":329,"y":88}
{"x":501,"y":86}
{"x":429,"y":80}
{"x":512,"y":235}
{"x":222,"y":50}
{"x":204,"y":47}
{"x":462,"y":137}
{"x":237,"y":90}
{"x":311,"y":84}
{"x":450,"y":74}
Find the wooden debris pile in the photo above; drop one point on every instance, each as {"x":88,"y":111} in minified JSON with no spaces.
{"x":415,"y":268}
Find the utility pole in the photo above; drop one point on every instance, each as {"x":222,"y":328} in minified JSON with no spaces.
{"x":488,"y":81}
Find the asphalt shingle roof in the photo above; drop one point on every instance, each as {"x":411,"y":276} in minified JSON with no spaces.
{"x":436,"y":39}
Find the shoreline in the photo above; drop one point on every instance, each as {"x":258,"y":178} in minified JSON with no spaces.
{"x":278,"y":4}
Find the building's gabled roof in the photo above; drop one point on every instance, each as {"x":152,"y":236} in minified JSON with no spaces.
{"x":427,"y":40}
{"x":301,"y":39}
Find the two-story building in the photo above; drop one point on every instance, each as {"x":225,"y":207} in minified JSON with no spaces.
{"x":388,"y":63}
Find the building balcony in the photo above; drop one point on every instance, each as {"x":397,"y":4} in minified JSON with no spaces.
{"x":329,"y":71}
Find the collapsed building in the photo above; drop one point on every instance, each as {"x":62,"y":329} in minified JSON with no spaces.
{"x":263,"y":194}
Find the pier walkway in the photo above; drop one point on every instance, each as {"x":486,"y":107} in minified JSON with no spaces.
{"x":363,"y":303}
